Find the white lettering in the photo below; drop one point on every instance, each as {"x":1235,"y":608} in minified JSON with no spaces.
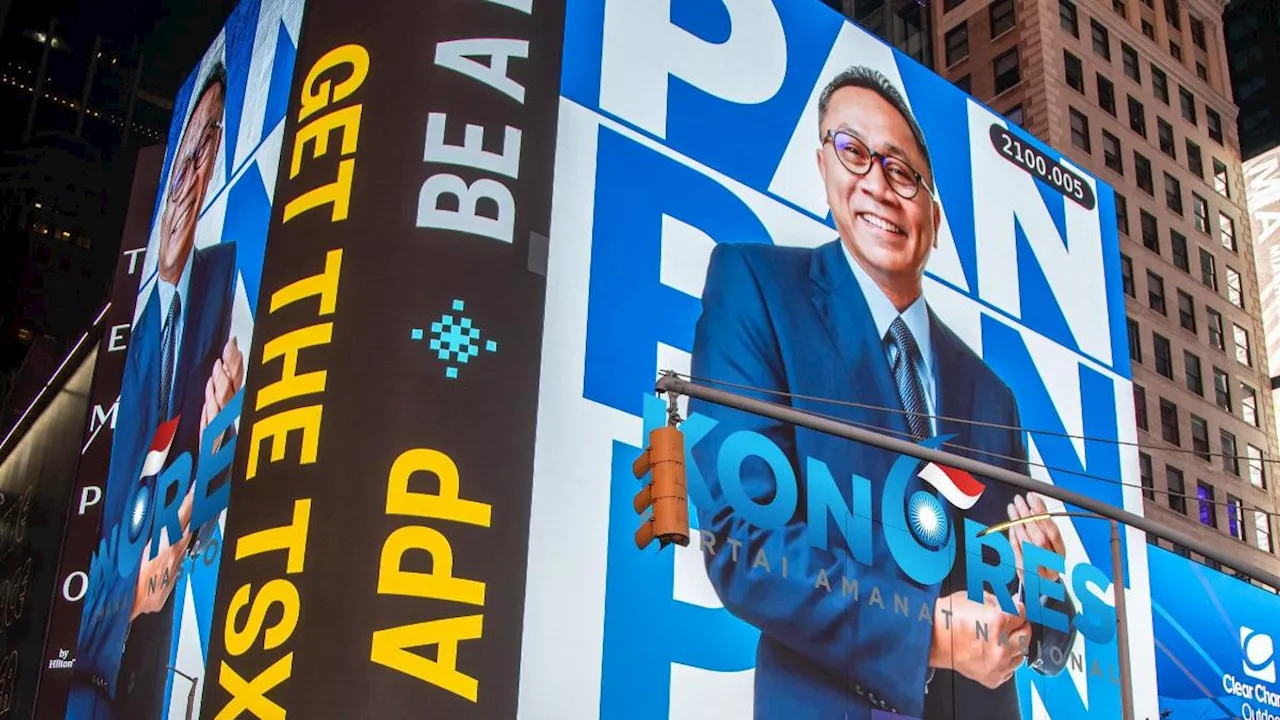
{"x":456,"y":55}
{"x":466,"y":218}
{"x":471,"y":152}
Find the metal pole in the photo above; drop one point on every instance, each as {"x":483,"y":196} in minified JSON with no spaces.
{"x":1122,"y":623}
{"x":787,"y":414}
{"x":38,"y":90}
{"x":88,"y":84}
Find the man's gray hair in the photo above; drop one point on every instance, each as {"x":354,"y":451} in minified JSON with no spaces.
{"x":861,"y":76}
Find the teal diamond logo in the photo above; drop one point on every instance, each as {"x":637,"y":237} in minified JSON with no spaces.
{"x":454,"y":339}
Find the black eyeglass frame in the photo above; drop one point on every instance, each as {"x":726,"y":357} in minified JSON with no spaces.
{"x":879,"y":159}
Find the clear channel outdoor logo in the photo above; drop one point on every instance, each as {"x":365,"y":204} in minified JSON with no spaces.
{"x":1259,"y":651}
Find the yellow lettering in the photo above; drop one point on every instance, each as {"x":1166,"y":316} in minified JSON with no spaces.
{"x":347,"y":120}
{"x":279,"y":591}
{"x":390,"y":648}
{"x":324,"y":285}
{"x":316,"y":96}
{"x":251,"y":697}
{"x":276,"y":428}
{"x":337,"y":192}
{"x":440,"y":583}
{"x":291,"y":384}
{"x":291,"y":537}
{"x":446,"y":505}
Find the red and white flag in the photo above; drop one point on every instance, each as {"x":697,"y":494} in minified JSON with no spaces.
{"x":160,"y":444}
{"x":957,"y":486}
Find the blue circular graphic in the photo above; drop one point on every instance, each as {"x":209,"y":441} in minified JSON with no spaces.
{"x":139,"y":510}
{"x":928,"y":519}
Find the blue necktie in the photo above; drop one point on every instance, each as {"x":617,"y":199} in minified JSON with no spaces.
{"x":904,"y":361}
{"x":168,"y":343}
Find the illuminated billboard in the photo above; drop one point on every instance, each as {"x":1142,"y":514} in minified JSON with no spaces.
{"x":147,"y":601}
{"x":769,"y":199}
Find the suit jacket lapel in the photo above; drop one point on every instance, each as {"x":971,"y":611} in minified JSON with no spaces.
{"x":839,"y":302}
{"x":194,"y":347}
{"x":954,"y":389}
{"x":146,"y":354}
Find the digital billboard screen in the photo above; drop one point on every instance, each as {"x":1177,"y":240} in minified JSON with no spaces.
{"x":147,"y":604}
{"x":767,"y":198}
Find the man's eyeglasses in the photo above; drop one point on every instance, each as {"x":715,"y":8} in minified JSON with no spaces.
{"x":184,"y":167}
{"x":857,"y":158}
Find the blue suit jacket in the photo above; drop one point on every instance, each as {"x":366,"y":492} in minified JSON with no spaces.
{"x":795,"y":320}
{"x":105,"y":622}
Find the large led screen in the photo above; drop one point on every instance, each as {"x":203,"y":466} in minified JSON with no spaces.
{"x":146,"y":619}
{"x":765,"y":197}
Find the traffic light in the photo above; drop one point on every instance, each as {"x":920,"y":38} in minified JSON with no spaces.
{"x":665,"y":492}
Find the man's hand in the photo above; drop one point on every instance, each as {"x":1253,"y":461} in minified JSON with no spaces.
{"x":225,"y":380}
{"x":957,"y":644}
{"x":158,"y":575}
{"x":1043,"y":533}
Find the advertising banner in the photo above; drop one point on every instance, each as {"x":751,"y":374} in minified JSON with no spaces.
{"x":85,"y":508}
{"x":147,"y":605}
{"x":769,"y":199}
{"x":376,"y":543}
{"x":1215,"y":642}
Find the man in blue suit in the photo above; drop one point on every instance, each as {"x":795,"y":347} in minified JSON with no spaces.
{"x":182,"y":365}
{"x":848,"y":322}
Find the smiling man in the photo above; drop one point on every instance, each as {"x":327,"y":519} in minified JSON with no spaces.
{"x":849,"y":322}
{"x":182,"y":368}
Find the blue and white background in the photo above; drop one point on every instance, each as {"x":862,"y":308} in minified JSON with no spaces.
{"x":1215,"y":642}
{"x":257,"y":45}
{"x":686,"y":123}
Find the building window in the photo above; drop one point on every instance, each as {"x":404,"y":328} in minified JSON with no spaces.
{"x":1208,"y":506}
{"x":957,"y":40}
{"x":1135,"y":341}
{"x":1178,"y":242}
{"x":1230,"y":457}
{"x":1202,"y":72}
{"x":1126,"y":275}
{"x":1195,"y":381}
{"x":1221,"y":181}
{"x":1165,"y":132}
{"x":1214,"y":122}
{"x":1200,"y":209}
{"x":1235,"y":524}
{"x":1172,"y":193}
{"x":1079,"y":130}
{"x":949,"y":5}
{"x":1137,"y":117}
{"x":1244,"y":353}
{"x":1129,"y":58}
{"x":1101,"y":39}
{"x":964,"y":83}
{"x":1119,"y":7}
{"x":1227,"y":232}
{"x":1142,"y":166}
{"x":1249,"y":404}
{"x":1221,"y":390}
{"x":1171,"y":14}
{"x":1175,"y":50}
{"x":1257,"y":471}
{"x":1111,"y":152}
{"x":1015,"y":114}
{"x":1164,"y":355}
{"x":1122,"y":214}
{"x":1262,"y":530}
{"x":1106,"y":95}
{"x":1155,"y":292}
{"x":1186,"y":311}
{"x":1194,"y":162}
{"x":1197,"y":33}
{"x":1074,"y":71}
{"x":1144,"y":472}
{"x":1208,"y":271}
{"x":1234,"y":292}
{"x":1188,"y":102}
{"x":1068,"y":18}
{"x":1200,"y":437}
{"x":1140,"y":406}
{"x":1002,"y":17}
{"x":1148,"y":29}
{"x":1160,"y":84}
{"x":1006,"y":71}
{"x":1177,"y":491}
